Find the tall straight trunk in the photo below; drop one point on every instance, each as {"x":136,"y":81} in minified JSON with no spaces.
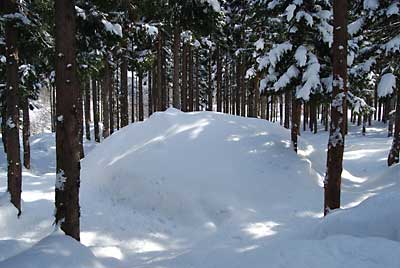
{"x":133,"y":97}
{"x":67,"y":130}
{"x":87,"y":109}
{"x":164,"y":79}
{"x":95,"y":111}
{"x":159,"y":74}
{"x":226,"y":87}
{"x":184,"y":78}
{"x":242,"y":89}
{"x":337,"y":128}
{"x":150,"y":92}
{"x":257,"y":98}
{"x":238,"y":86}
{"x":197,"y":84}
{"x":263,"y":107}
{"x":295,"y":130}
{"x":176,"y":49}
{"x":81,"y":123}
{"x":14,"y":174}
{"x":111,"y":104}
{"x":281,"y":109}
{"x":191,"y":90}
{"x":140,"y":87}
{"x":219,"y":79}
{"x":4,"y":126}
{"x":288,"y":104}
{"x":209,"y":84}
{"x":395,"y":150}
{"x":107,"y":86}
{"x":26,"y":133}
{"x":123,"y":97}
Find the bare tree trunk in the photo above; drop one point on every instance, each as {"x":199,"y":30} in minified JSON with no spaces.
{"x":209,"y":84}
{"x":337,"y":128}
{"x":105,"y":98}
{"x":191,"y":90}
{"x":12,"y":125}
{"x":141,"y":110}
{"x":67,"y":133}
{"x":184,"y":78}
{"x":123,"y":97}
{"x":219,"y":79}
{"x":150,"y":92}
{"x":177,"y":46}
{"x":95,"y":111}
{"x":197,"y":84}
{"x":395,"y":150}
{"x":288,"y":102}
{"x":295,"y":130}
{"x":87,"y":109}
{"x":226,"y":88}
{"x":26,"y":133}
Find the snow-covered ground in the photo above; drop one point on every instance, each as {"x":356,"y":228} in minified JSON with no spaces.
{"x":209,"y":190}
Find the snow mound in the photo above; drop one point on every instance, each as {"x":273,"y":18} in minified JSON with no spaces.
{"x":54,"y":251}
{"x":198,"y":168}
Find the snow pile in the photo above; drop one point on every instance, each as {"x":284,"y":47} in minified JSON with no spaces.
{"x":54,"y":251}
{"x":200,"y":169}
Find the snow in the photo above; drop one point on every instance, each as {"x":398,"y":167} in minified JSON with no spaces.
{"x":112,"y":28}
{"x":214,"y":4}
{"x":386,"y":85}
{"x":301,"y":56}
{"x":371,"y":4}
{"x":209,"y":190}
{"x":274,"y":55}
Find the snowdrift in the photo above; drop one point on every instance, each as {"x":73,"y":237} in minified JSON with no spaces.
{"x":201,"y":168}
{"x":54,"y":251}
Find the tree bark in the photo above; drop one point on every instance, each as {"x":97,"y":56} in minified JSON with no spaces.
{"x":87,"y":110}
{"x":14,"y":174}
{"x":26,"y":133}
{"x":219,"y":79}
{"x":395,"y":150}
{"x":107,"y":87}
{"x":295,"y":130}
{"x":95,"y":111}
{"x":140,"y":87}
{"x":123,"y":96}
{"x":184,"y":79}
{"x":67,"y":129}
{"x":175,"y":89}
{"x":191,"y":90}
{"x":336,"y":142}
{"x":150,"y":92}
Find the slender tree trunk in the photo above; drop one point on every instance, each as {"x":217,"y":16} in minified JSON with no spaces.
{"x":184,"y":79}
{"x":226,"y":88}
{"x":150,"y":92}
{"x":67,"y":132}
{"x":295,"y":130}
{"x":141,"y":109}
{"x":177,"y":46}
{"x":395,"y":150}
{"x":12,"y":126}
{"x":26,"y":133}
{"x":164,"y":82}
{"x":288,"y":102}
{"x":105,"y":94}
{"x":219,"y":79}
{"x":242,"y":88}
{"x":95,"y":111}
{"x":87,"y":109}
{"x":191,"y":90}
{"x":197,"y":84}
{"x":123,"y":97}
{"x":337,"y":128}
{"x":209,"y":84}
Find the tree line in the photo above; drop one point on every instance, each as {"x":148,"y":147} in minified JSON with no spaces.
{"x":293,"y":62}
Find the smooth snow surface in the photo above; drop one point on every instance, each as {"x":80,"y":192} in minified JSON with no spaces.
{"x":209,"y":190}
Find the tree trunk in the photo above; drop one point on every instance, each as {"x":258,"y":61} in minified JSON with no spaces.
{"x":337,"y":128}
{"x":95,"y":111}
{"x":394,"y":151}
{"x":209,"y":84}
{"x":87,"y":110}
{"x":197,"y":84}
{"x":191,"y":90}
{"x":288,"y":101}
{"x":150,"y":92}
{"x":26,"y":133}
{"x":184,"y":79}
{"x":295,"y":130}
{"x":107,"y":87}
{"x":226,"y":88}
{"x":12,"y":123}
{"x":219,"y":79}
{"x":123,"y":97}
{"x":175,"y":89}
{"x":140,"y":87}
{"x":67,"y":130}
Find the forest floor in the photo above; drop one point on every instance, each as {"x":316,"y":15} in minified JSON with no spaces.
{"x":209,"y":190}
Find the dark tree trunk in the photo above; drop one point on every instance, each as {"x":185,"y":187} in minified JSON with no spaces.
{"x":226,"y":88}
{"x":95,"y":111}
{"x":295,"y":130}
{"x":133,"y":97}
{"x":87,"y":110}
{"x":209,"y":84}
{"x":219,"y":80}
{"x":337,"y":128}
{"x":4,"y":126}
{"x":175,"y":89}
{"x":288,"y":102}
{"x":150,"y":92}
{"x":395,"y":150}
{"x":140,"y":87}
{"x":107,"y":87}
{"x":238,"y":85}
{"x":67,"y":130}
{"x":184,"y":78}
{"x":26,"y":133}
{"x":242,"y":89}
{"x":12,"y":125}
{"x":197,"y":84}
{"x":191,"y":90}
{"x":123,"y":97}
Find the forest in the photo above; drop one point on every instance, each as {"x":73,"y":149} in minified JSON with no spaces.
{"x":199,"y":133}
